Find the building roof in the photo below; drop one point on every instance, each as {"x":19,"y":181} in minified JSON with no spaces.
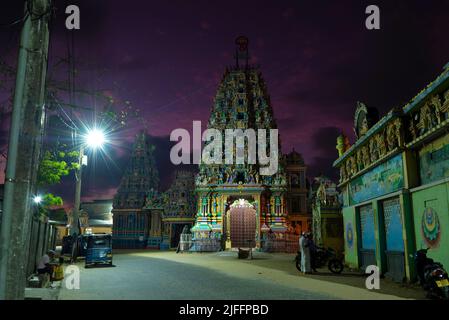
{"x":431,"y":87}
{"x":435,"y":85}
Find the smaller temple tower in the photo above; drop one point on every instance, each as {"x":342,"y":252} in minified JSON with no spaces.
{"x":130,"y":228}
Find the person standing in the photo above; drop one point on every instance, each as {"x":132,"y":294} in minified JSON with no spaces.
{"x":305,"y":254}
{"x":312,"y":250}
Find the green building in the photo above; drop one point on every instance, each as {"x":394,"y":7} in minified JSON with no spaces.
{"x":395,"y":183}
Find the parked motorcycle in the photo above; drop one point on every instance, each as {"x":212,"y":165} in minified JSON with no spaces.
{"x":323,"y":256}
{"x":432,"y":276}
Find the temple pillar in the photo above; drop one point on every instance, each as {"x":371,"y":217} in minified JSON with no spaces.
{"x":258,"y":216}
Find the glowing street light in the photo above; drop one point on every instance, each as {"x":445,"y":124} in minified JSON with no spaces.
{"x":37,"y":199}
{"x":95,"y":138}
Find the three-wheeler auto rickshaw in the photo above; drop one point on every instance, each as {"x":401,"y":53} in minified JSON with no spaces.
{"x":99,"y":249}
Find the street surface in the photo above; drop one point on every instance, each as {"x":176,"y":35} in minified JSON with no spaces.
{"x":170,"y":276}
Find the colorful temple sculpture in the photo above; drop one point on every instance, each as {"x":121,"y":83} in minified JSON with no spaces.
{"x":242,"y":102}
{"x":327,"y":217}
{"x":395,"y":184}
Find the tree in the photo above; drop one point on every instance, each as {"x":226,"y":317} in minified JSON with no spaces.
{"x":53,"y":166}
{"x":48,"y":202}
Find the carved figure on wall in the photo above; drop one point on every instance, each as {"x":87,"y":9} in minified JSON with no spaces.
{"x":343,"y":176}
{"x":391,"y":137}
{"x":445,"y":107}
{"x":398,"y":131}
{"x":353,"y":166}
{"x":412,"y":127}
{"x":359,"y":157}
{"x":427,"y":119}
{"x":365,"y":157}
{"x":380,"y":141}
{"x":435,"y":106}
{"x":374,"y":151}
{"x":363,"y":127}
{"x":348,"y":168}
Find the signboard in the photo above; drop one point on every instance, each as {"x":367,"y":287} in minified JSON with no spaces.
{"x":385,"y":178}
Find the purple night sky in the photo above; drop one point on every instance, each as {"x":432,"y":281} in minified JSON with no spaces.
{"x":317,"y":57}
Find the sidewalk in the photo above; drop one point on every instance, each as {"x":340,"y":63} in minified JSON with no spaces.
{"x":50,"y":293}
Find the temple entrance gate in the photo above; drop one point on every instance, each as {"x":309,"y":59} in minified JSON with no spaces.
{"x":242,"y":224}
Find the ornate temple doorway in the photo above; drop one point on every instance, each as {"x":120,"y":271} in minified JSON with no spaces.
{"x":241,"y":224}
{"x":175,"y":235}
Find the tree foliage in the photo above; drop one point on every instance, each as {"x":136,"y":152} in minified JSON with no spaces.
{"x":55,"y":165}
{"x":48,"y":202}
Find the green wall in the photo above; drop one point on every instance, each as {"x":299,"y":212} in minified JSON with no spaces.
{"x":435,"y":197}
{"x":349,"y":222}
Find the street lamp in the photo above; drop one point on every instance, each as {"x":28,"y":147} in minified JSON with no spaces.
{"x":94,"y":139}
{"x":37,"y":199}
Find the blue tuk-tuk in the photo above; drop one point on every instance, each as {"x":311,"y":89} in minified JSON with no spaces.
{"x":99,"y":249}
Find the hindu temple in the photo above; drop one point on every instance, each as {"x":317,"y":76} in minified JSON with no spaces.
{"x":222,"y":206}
{"x":276,"y":202}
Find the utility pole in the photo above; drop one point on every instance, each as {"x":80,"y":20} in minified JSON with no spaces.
{"x":24,"y":148}
{"x":74,"y":228}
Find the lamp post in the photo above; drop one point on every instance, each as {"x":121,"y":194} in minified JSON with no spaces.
{"x":93,"y":139}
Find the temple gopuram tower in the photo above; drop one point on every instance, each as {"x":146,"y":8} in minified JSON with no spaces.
{"x":241,"y":102}
{"x":131,"y":224}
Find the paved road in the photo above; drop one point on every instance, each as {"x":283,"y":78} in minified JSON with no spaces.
{"x":169,"y":276}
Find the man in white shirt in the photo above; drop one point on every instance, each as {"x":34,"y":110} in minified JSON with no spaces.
{"x":44,"y":263}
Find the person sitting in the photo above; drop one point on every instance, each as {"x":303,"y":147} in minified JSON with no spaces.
{"x":44,"y":266}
